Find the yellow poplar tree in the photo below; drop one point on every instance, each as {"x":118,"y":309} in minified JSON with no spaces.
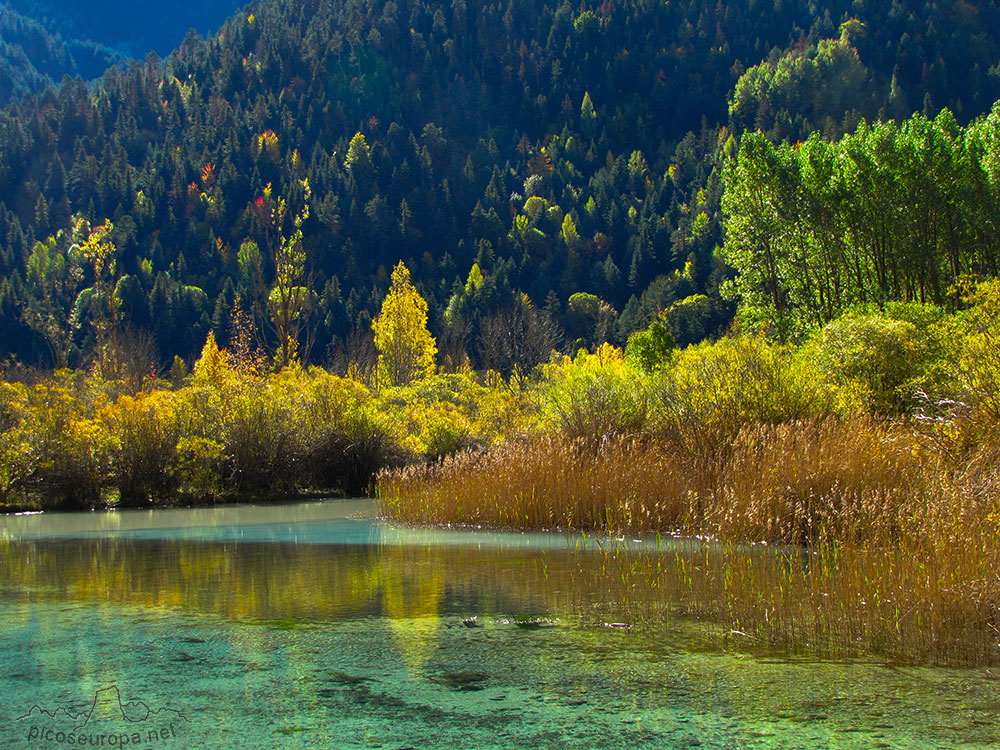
{"x":405,"y":346}
{"x":99,"y":250}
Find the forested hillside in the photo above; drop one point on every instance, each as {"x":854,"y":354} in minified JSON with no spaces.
{"x":133,"y":28}
{"x":41,"y":41}
{"x":569,"y":153}
{"x":32,"y":57}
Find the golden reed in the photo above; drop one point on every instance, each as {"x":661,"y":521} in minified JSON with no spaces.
{"x":882,"y":546}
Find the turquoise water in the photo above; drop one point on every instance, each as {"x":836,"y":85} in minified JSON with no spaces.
{"x":315,"y":625}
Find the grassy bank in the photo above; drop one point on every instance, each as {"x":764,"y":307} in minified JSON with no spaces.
{"x":795,"y":483}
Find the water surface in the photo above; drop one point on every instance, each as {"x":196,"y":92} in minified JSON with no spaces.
{"x":316,"y":625}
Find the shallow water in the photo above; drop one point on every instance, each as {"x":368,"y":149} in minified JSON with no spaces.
{"x":314,"y":625}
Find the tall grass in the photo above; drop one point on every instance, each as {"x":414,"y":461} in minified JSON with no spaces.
{"x":910,"y":601}
{"x":836,"y":529}
{"x":545,"y":482}
{"x":815,"y":480}
{"x":791,"y":484}
{"x":834,"y":537}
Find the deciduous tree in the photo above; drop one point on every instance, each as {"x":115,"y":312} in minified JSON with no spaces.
{"x":405,"y":346}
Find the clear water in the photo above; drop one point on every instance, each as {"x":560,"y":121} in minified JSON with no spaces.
{"x":316,"y":626}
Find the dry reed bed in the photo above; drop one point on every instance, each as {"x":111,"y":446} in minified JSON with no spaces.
{"x":836,"y":602}
{"x":887,"y":552}
{"x":544,"y":482}
{"x":790,"y":484}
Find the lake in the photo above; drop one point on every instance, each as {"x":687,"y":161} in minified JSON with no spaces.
{"x":317,"y":625}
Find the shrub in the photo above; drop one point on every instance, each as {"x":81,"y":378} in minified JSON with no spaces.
{"x":878,"y":360}
{"x":450,"y":412}
{"x":975,"y":350}
{"x":18,"y":453}
{"x":650,"y":349}
{"x":596,"y":396}
{"x":145,"y":434}
{"x":71,"y":450}
{"x":260,"y":437}
{"x":713,"y":391}
{"x":347,"y":455}
{"x":199,"y":466}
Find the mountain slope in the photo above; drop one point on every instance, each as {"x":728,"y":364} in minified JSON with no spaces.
{"x":561,"y":149}
{"x":131,"y":28}
{"x":32,"y":57}
{"x":41,"y":41}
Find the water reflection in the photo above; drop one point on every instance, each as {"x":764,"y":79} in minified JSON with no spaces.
{"x":320,"y":562}
{"x":302,"y":582}
{"x":317,"y":626}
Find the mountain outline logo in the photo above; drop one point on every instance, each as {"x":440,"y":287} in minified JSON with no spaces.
{"x":109,"y":715}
